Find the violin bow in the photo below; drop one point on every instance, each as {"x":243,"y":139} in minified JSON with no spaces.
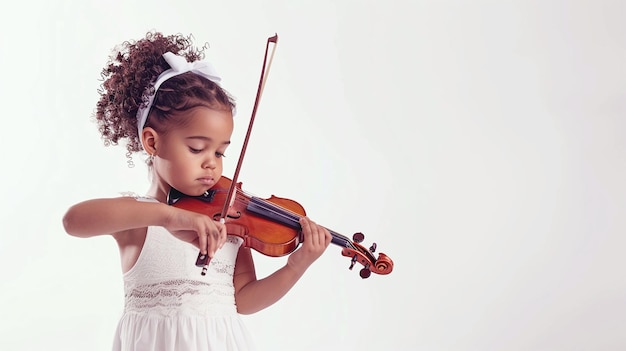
{"x":264,"y":72}
{"x":203,"y":260}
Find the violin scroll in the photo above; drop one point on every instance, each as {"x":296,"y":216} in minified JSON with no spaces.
{"x":381,"y":265}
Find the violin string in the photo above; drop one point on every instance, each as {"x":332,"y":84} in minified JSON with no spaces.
{"x":284,"y":213}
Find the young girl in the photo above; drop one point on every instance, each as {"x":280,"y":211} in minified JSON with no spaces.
{"x":159,"y":96}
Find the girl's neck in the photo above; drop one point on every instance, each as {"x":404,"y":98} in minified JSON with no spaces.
{"x":158,"y":189}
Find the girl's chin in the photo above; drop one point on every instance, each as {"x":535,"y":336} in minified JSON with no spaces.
{"x":192,"y":190}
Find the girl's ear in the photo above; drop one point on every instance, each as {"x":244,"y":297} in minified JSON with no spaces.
{"x":149,"y":139}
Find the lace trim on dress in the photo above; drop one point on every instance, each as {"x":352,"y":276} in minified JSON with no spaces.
{"x":174,"y":297}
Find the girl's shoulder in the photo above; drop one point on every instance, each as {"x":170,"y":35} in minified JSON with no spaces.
{"x":138,"y":197}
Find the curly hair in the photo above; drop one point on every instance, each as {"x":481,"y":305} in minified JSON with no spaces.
{"x":128,"y":81}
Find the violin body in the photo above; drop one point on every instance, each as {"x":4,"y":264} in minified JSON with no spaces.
{"x":271,"y":226}
{"x":277,"y":239}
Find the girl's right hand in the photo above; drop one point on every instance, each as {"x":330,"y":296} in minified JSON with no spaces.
{"x":197,"y":229}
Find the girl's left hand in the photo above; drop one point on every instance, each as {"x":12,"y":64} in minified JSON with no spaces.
{"x":315,"y":240}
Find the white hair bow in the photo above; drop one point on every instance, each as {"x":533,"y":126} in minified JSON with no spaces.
{"x":179,"y":65}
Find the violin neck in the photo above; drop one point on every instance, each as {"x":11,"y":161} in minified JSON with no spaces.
{"x":340,"y":240}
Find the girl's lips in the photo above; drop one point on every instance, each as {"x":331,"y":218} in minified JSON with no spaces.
{"x":206,"y":181}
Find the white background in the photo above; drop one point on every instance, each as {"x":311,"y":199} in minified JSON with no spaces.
{"x":479,"y":143}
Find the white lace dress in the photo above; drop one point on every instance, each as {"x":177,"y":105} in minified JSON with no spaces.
{"x":169,"y":305}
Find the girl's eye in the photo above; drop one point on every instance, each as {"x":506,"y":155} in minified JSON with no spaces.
{"x":194,"y":151}
{"x":219,"y":155}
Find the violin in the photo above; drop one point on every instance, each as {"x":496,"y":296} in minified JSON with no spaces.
{"x":269,"y":226}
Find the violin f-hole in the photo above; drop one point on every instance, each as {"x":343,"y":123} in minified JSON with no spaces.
{"x":236,"y":215}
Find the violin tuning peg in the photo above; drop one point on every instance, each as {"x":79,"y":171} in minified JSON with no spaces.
{"x":358,"y":237}
{"x":352,"y":262}
{"x":373,"y":248}
{"x":365,"y":273}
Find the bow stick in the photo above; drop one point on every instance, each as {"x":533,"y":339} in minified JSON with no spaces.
{"x":204,"y":259}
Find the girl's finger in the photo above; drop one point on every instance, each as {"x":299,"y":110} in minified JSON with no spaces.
{"x":217,"y":237}
{"x":318,"y":234}
{"x":202,"y":240}
{"x":224,"y":233}
{"x":305,"y":224}
{"x":212,"y":242}
{"x":329,"y":238}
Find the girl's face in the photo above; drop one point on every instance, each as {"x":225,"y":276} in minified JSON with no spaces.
{"x":189,"y":158}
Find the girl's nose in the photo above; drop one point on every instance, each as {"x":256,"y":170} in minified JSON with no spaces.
{"x":209,"y":162}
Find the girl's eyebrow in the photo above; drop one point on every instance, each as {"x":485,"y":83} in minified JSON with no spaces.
{"x":200,"y":137}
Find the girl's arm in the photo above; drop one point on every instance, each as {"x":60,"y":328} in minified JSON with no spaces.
{"x":117,"y":216}
{"x":109,"y":216}
{"x":252,"y":295}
